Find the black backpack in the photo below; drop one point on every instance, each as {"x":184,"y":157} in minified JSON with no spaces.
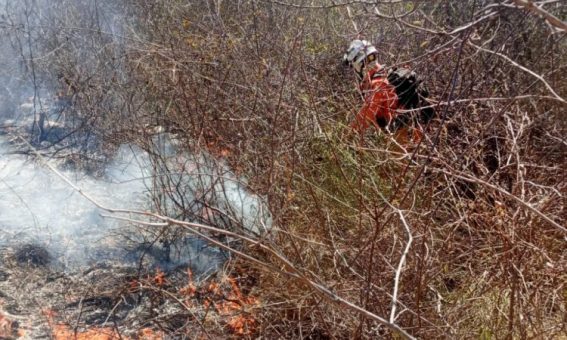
{"x":412,"y":94}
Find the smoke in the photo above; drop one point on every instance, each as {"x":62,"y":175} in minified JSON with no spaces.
{"x":38,"y":207}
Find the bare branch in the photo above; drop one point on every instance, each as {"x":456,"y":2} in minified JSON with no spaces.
{"x":523,"y":68}
{"x":525,"y":204}
{"x":538,"y":10}
{"x":400,"y":266}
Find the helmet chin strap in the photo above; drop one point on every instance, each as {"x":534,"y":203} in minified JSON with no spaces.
{"x":366,"y":63}
{"x":359,"y":72}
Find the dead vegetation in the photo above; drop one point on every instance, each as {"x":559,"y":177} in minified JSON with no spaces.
{"x":461,"y":236}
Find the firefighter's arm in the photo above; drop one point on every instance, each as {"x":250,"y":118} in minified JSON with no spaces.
{"x":364,"y":117}
{"x":376,"y":105}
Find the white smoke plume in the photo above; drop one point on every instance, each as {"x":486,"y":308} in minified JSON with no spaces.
{"x":38,"y":207}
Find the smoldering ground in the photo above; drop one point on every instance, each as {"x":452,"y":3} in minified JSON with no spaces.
{"x":56,"y":247}
{"x":39,"y":105}
{"x":38,"y":207}
{"x":57,"y":251}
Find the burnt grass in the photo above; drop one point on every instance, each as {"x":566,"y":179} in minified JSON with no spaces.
{"x":136,"y":289}
{"x":36,"y":294}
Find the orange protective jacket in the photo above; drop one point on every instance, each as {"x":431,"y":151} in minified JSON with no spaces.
{"x":380,"y":101}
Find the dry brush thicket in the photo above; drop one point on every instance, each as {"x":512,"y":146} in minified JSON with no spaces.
{"x":461,"y":236}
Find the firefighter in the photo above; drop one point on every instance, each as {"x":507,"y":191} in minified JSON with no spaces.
{"x":393,"y":99}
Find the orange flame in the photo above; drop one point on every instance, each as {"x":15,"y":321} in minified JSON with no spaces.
{"x":227,"y":300}
{"x":159,"y":278}
{"x":242,"y":325}
{"x":149,"y":334}
{"x":63,"y":332}
{"x":214,"y":288}
{"x":190,"y":289}
{"x":6,"y":328}
{"x":235,"y":306}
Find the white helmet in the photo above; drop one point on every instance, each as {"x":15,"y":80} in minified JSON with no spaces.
{"x":359,"y":53}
